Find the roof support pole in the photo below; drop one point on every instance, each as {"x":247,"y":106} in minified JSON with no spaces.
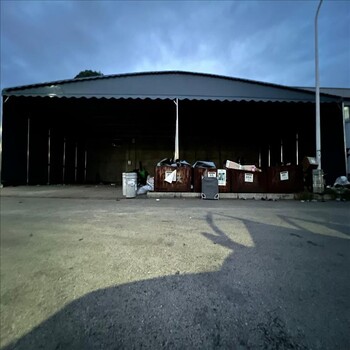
{"x":85,"y":164}
{"x":259,"y":158}
{"x":281,"y":151}
{"x":76,"y":163}
{"x":176,"y":153}
{"x":1,"y":117}
{"x":297,"y":148}
{"x":28,"y":149}
{"x":49,"y":156}
{"x":64,"y":161}
{"x":345,"y":140}
{"x":318,"y":119}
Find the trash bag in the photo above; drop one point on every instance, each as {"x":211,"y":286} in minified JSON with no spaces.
{"x":203,"y":164}
{"x":148,"y":187}
{"x":342,"y":181}
{"x":170,"y":162}
{"x":144,"y":189}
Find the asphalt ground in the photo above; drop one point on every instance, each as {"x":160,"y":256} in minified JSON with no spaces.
{"x":91,"y":271}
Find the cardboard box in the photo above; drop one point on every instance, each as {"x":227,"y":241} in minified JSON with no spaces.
{"x":236,"y":166}
{"x":309,"y":163}
{"x":233,"y":165}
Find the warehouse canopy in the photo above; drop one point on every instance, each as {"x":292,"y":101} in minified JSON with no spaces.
{"x":168,"y":85}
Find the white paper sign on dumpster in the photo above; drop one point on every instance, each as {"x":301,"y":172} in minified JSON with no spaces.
{"x":248,"y":177}
{"x":222,"y":177}
{"x":170,"y":176}
{"x":284,"y":176}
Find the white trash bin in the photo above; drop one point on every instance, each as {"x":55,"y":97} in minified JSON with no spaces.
{"x":131,"y":185}
{"x":124,"y":183}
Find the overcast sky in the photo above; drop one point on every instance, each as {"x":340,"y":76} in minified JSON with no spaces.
{"x":270,"y":41}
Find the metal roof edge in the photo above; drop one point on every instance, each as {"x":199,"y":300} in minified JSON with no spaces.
{"x":7,"y":91}
{"x":171,"y":97}
{"x":322,"y":89}
{"x":122,"y":75}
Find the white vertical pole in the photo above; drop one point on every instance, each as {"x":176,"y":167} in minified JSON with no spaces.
{"x":297,"y":148}
{"x":1,"y":124}
{"x":76,"y":163}
{"x":344,"y":133}
{"x":318,"y":119}
{"x":281,"y":151}
{"x":176,"y":153}
{"x":259,"y":157}
{"x":85,"y":164}
{"x":28,"y":150}
{"x":49,"y":157}
{"x":64,"y":160}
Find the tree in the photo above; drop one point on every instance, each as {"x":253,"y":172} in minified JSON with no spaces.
{"x":88,"y":73}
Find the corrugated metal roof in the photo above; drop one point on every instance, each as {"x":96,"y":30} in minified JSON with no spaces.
{"x":167,"y":85}
{"x":342,"y":92}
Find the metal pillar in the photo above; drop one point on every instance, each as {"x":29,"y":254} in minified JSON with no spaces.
{"x":345,"y":141}
{"x":281,"y":151}
{"x":176,"y":153}
{"x":1,"y":123}
{"x":49,"y":157}
{"x":260,"y":158}
{"x":64,"y":160}
{"x":297,"y":148}
{"x":76,"y":162}
{"x":28,"y":149}
{"x":318,"y":118}
{"x":85,"y":164}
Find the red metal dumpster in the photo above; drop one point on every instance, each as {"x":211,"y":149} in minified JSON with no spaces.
{"x":223,"y":176}
{"x":248,"y":181}
{"x":197,"y":175}
{"x":285,"y":179}
{"x":172,"y":179}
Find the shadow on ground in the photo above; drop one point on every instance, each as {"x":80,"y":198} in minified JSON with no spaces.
{"x":289,"y":291}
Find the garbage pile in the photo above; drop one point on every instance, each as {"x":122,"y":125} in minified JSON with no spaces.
{"x":342,"y":188}
{"x":237,"y":166}
{"x":172,"y":163}
{"x":149,"y":186}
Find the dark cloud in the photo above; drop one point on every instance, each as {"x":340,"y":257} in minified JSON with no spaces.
{"x":261,"y":40}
